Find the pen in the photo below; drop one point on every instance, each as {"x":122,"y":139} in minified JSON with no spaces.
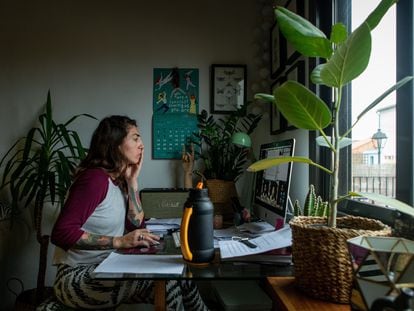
{"x":246,"y":242}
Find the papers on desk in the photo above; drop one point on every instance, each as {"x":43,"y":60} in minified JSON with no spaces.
{"x":265,"y":242}
{"x":256,"y":227}
{"x":163,"y":225}
{"x":142,"y":264}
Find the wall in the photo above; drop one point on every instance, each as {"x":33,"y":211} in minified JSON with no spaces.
{"x":97,"y":57}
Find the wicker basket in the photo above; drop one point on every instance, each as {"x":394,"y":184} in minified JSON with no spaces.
{"x":322,"y":265}
{"x":220,"y":193}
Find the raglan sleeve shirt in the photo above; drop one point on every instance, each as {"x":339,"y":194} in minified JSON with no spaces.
{"x":85,"y":194}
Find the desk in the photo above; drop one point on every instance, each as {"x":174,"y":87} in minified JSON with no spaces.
{"x":288,"y":298}
{"x":213,"y":270}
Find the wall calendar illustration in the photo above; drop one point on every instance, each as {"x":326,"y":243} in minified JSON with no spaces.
{"x":175,"y":108}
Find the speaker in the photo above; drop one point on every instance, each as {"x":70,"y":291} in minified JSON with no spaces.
{"x":163,"y":202}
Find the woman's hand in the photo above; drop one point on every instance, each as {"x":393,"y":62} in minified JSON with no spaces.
{"x":138,"y":237}
{"x":187,"y":160}
{"x":133,"y":170}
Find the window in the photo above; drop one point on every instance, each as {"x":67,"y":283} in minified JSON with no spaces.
{"x":374,"y":136}
{"x":400,"y":109}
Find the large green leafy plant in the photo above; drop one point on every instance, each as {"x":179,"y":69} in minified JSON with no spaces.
{"x":223,"y":159}
{"x":347,"y":56}
{"x":38,"y":168}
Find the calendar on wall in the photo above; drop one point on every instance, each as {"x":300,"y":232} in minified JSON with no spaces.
{"x":175,"y":108}
{"x":170,"y":133}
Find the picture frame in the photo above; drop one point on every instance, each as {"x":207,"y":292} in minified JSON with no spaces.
{"x":228,"y":88}
{"x":277,"y":121}
{"x":296,"y":73}
{"x":298,"y":7}
{"x":277,"y":51}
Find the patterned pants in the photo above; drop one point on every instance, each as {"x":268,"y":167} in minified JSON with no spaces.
{"x":75,"y":288}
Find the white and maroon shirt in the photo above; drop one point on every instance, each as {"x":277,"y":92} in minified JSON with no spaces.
{"x":94,"y":205}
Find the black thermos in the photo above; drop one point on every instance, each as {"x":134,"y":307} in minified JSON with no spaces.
{"x":197,"y":234}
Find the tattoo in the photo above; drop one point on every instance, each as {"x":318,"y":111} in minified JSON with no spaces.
{"x":133,"y":196}
{"x":137,"y":207}
{"x":94,"y":241}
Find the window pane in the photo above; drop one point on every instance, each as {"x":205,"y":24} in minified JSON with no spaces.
{"x":373,"y":160}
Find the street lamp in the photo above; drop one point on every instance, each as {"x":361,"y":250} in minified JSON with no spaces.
{"x":379,"y":139}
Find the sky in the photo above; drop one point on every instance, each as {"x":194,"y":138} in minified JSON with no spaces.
{"x":379,"y":75}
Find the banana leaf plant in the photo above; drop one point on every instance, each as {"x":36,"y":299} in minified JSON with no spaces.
{"x":37,"y":169}
{"x":346,"y":56}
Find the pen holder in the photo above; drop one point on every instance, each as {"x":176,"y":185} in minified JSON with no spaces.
{"x":197,"y":234}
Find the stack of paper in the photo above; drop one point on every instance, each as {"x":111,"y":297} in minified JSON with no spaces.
{"x":141,"y":264}
{"x":265,"y":250}
{"x":257,"y":227}
{"x":163,"y":225}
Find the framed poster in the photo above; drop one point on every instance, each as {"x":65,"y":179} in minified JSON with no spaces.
{"x":277,"y":51}
{"x":228,"y":88}
{"x":298,"y":7}
{"x":277,"y":121}
{"x":296,"y":73}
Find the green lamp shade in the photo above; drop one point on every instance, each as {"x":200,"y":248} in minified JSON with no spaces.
{"x":241,"y":139}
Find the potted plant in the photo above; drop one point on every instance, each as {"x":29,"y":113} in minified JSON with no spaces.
{"x":223,"y":144}
{"x":346,"y":58}
{"x":37,"y":169}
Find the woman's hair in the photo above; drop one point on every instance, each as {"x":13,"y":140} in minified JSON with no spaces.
{"x":104,"y":149}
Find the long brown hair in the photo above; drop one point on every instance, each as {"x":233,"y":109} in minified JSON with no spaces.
{"x":104,"y":149}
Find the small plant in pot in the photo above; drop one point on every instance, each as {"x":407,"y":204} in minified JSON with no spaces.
{"x":347,"y":56}
{"x":37,"y":170}
{"x":223,"y":145}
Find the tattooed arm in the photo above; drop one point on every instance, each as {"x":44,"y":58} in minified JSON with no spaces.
{"x":138,"y":237}
{"x":135,"y":210}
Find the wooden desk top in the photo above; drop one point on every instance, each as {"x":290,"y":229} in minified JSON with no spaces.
{"x":288,"y":298}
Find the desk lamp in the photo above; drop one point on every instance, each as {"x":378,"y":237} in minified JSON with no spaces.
{"x":241,"y":139}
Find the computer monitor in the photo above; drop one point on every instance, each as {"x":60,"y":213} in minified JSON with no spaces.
{"x":271,"y":193}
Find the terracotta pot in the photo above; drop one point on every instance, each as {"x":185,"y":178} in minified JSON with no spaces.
{"x":322,"y":264}
{"x":220,"y":193}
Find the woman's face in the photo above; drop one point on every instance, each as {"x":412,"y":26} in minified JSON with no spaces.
{"x":132,"y":146}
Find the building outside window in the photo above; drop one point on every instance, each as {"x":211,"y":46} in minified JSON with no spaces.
{"x":373,"y":159}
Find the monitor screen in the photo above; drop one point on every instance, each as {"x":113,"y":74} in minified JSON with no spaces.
{"x":272,"y":185}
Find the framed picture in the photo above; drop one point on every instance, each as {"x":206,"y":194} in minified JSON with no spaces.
{"x":298,"y":7}
{"x":296,"y":73}
{"x":277,"y":121}
{"x":228,"y":87}
{"x":277,"y":51}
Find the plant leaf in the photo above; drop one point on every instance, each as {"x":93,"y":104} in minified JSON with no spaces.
{"x":303,"y":35}
{"x":344,"y":142}
{"x":338,"y":33}
{"x":265,"y":97}
{"x":270,"y":162}
{"x":316,"y":74}
{"x":385,"y":94}
{"x":349,"y":60}
{"x":301,"y":107}
{"x":375,"y":17}
{"x":382,"y":199}
{"x":49,"y":117}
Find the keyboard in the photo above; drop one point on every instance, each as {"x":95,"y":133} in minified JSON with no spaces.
{"x":176,"y":238}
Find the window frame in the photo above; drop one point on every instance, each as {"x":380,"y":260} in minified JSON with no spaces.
{"x":323,"y":15}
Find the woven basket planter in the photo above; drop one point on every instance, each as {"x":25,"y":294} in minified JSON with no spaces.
{"x":322,"y":265}
{"x":220,"y":193}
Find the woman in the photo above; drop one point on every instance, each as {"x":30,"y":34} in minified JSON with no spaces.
{"x":103,"y":213}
